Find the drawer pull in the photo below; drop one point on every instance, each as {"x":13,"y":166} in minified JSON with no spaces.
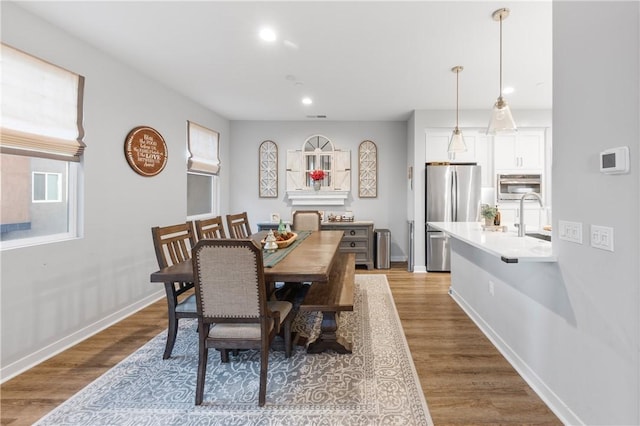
{"x":352,"y":232}
{"x":352,"y":244}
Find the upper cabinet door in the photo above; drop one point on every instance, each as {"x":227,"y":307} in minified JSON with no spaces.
{"x":521,"y":152}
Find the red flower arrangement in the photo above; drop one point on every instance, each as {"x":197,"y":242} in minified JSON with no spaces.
{"x":317,"y":174}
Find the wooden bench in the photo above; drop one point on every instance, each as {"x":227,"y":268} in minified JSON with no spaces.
{"x":331,"y":298}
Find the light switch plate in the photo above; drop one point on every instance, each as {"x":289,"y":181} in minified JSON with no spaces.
{"x":570,"y":231}
{"x":601,"y":237}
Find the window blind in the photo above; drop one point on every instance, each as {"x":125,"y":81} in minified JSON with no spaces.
{"x":203,"y":145}
{"x":41,"y":108}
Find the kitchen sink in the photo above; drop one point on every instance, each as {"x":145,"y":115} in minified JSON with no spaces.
{"x":539,"y":236}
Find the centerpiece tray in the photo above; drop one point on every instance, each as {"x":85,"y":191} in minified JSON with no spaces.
{"x":281,"y":241}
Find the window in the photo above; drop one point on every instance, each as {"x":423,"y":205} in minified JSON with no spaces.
{"x":41,"y":149}
{"x":203,"y":167}
{"x":46,"y":187}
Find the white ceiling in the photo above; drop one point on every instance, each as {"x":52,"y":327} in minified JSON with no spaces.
{"x":358,"y":60}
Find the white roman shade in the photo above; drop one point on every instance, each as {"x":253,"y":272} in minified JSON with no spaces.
{"x":203,"y":149}
{"x":41,"y":108}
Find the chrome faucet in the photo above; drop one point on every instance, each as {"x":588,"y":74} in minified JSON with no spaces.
{"x":521,"y":225}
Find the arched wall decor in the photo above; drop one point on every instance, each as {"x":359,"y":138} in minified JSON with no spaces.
{"x":367,"y":170}
{"x":318,"y":153}
{"x":268,"y":169}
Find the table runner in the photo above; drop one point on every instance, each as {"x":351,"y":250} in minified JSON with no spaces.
{"x":271,"y":259}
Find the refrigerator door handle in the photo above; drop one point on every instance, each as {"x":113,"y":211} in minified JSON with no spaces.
{"x":454,"y":195}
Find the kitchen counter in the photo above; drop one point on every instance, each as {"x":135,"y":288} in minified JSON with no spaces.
{"x":506,"y":245}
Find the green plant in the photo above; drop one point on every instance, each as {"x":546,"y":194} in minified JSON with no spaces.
{"x":488,"y":212}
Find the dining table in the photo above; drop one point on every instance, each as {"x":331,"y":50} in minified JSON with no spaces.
{"x":310,"y":260}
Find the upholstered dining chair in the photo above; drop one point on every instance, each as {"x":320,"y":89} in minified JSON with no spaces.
{"x":173,"y":244}
{"x":233,"y":311}
{"x":211,"y":228}
{"x":306,"y":220}
{"x":238,"y":225}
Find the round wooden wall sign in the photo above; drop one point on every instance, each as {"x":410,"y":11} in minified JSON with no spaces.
{"x":146,"y":151}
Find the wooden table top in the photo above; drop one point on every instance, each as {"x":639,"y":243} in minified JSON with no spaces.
{"x":312,"y":260}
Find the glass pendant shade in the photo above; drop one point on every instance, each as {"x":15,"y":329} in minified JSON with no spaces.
{"x":457,"y":143}
{"x":501,"y":118}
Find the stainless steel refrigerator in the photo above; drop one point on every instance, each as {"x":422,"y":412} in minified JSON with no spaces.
{"x":452,"y":195}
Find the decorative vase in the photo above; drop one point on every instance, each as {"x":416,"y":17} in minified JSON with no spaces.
{"x":488,"y":221}
{"x":316,"y":185}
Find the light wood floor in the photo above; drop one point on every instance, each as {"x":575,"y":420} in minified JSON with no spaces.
{"x":464,"y":378}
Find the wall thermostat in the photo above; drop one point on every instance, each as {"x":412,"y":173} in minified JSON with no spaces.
{"x":615,"y":160}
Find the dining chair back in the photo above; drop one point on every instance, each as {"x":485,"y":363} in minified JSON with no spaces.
{"x":306,"y":220}
{"x":173,"y":244}
{"x":238,"y":225}
{"x":231,"y":295}
{"x":211,"y":228}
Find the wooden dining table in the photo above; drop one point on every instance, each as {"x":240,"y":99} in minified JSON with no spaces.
{"x":310,"y":261}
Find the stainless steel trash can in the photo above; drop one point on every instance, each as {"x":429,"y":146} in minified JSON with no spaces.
{"x":383,"y":248}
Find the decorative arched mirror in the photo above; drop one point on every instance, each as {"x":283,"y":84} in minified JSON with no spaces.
{"x":318,"y":156}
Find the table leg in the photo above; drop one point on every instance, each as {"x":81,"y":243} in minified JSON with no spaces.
{"x":328,"y":338}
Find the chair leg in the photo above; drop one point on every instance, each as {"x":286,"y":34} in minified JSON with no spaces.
{"x":287,"y":337}
{"x":172,"y":332}
{"x":224,"y":355}
{"x":203,"y":354}
{"x":264,"y":360}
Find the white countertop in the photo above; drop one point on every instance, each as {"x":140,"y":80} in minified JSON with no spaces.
{"x":506,"y":245}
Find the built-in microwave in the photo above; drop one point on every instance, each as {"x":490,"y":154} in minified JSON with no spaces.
{"x":513,"y":186}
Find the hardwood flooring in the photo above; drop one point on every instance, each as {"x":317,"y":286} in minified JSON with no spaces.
{"x":464,"y":378}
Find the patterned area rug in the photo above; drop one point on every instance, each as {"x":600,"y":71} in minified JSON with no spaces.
{"x":375,"y":385}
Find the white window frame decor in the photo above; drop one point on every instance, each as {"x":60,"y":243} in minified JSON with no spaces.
{"x":203,"y":162}
{"x":268,"y":169}
{"x":367,"y":169}
{"x":318,"y":153}
{"x":41,"y":125}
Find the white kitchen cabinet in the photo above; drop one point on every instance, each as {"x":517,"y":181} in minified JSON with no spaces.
{"x":523,"y":151}
{"x":478,"y":150}
{"x":437,"y":143}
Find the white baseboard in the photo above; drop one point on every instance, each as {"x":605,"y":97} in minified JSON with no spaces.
{"x":555,"y":404}
{"x":9,"y":371}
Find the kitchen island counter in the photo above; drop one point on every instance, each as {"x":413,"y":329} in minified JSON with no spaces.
{"x":506,"y":245}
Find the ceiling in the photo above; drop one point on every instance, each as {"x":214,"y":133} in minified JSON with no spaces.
{"x":357,"y":60}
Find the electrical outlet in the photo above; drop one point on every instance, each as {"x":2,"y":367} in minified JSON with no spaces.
{"x":570,"y":231}
{"x":602,"y":237}
{"x":491,"y":288}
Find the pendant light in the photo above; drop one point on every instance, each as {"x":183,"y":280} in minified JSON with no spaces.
{"x":457,"y":144}
{"x":501,"y":118}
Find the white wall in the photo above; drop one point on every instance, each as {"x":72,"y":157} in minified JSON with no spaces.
{"x":387,"y":210}
{"x":54,"y":295}
{"x":572,"y":328}
{"x":596,"y":65}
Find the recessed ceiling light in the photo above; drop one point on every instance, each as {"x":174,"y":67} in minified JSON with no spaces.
{"x":507,"y":90}
{"x":267,"y":34}
{"x":307,"y":101}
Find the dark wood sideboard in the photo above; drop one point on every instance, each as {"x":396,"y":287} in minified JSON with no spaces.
{"x":358,"y":238}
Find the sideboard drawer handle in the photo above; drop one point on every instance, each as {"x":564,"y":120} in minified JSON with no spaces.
{"x":352,"y":232}
{"x":352,"y":243}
